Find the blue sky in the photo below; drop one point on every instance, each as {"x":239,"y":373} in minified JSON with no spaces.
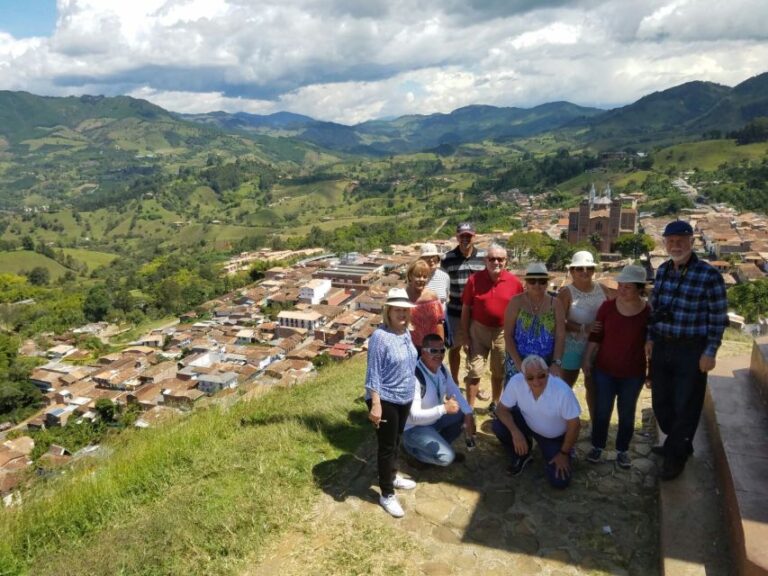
{"x":355,"y":60}
{"x":25,"y":18}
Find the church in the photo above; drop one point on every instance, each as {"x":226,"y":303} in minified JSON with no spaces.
{"x":602,"y":216}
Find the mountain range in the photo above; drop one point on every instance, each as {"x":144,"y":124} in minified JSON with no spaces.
{"x":677,"y":114}
{"x":30,"y":124}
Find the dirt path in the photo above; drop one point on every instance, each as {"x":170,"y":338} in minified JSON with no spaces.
{"x":474,"y":517}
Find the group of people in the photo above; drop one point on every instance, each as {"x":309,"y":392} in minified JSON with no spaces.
{"x":535,"y":343}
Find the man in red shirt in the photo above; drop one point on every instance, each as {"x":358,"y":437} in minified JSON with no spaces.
{"x":484,"y":303}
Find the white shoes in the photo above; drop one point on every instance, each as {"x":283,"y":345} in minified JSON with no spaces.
{"x":391,"y":505}
{"x":403,"y":483}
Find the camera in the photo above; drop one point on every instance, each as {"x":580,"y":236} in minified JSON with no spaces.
{"x":661,"y":314}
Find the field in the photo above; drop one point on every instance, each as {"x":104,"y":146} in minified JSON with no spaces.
{"x":24,"y":260}
{"x":91,"y":258}
{"x":707,"y":155}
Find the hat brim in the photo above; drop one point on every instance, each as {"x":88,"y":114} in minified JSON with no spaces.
{"x":400,"y":304}
{"x":429,"y":254}
{"x":536,"y":277}
{"x":577,"y":265}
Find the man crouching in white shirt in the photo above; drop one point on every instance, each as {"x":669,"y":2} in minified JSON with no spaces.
{"x":536,"y":404}
{"x":439,"y":411}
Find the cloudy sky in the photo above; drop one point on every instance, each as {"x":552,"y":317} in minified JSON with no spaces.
{"x":354,"y":60}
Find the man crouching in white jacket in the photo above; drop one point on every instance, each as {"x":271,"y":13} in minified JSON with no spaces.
{"x":439,"y":411}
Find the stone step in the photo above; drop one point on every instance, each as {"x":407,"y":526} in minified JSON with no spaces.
{"x":692,"y":527}
{"x":737,"y":421}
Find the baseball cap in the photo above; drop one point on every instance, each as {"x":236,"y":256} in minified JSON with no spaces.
{"x":678,"y":228}
{"x":465,"y":228}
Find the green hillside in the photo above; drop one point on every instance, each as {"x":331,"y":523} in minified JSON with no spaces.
{"x":201,"y":495}
{"x":20,"y":261}
{"x":707,"y":155}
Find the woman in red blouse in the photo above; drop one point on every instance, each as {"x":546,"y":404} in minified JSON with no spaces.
{"x":427,"y":317}
{"x":615,"y":356}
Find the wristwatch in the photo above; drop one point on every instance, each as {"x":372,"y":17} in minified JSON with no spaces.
{"x":557,"y":362}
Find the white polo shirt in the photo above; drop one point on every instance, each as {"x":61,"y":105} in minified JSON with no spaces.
{"x":548,"y":414}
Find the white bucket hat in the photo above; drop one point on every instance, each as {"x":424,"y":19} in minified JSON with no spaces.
{"x":428,"y":250}
{"x":398,"y":297}
{"x":582,"y":258}
{"x":632,"y":275}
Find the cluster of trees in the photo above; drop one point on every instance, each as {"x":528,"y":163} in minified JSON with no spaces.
{"x":19,"y":398}
{"x":743,"y":185}
{"x":754,"y":131}
{"x":536,"y":174}
{"x":750,"y":300}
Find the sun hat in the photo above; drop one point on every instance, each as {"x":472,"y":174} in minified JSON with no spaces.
{"x":398,"y":297}
{"x":536,"y":270}
{"x":582,"y":258}
{"x":632,"y":275}
{"x":465,"y":228}
{"x":429,"y":250}
{"x":678,"y":228}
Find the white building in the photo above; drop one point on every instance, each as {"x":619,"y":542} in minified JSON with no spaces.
{"x":296,"y":319}
{"x":315,"y":290}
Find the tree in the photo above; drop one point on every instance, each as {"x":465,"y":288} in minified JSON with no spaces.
{"x":28,"y":243}
{"x":106,"y":409}
{"x":634,"y":244}
{"x":97,"y":303}
{"x":39,"y":276}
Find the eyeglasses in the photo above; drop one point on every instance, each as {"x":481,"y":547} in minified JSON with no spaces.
{"x":582,"y":269}
{"x":496,"y":259}
{"x":537,"y":281}
{"x":435,"y":351}
{"x":542,"y":376}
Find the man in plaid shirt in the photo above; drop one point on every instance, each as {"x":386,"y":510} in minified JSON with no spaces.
{"x":690,"y":313}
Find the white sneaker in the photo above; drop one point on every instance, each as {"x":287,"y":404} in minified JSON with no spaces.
{"x":391,"y":505}
{"x":403,"y":483}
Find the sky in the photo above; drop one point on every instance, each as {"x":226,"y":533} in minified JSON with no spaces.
{"x":354,"y":60}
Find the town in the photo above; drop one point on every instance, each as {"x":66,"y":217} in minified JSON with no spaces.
{"x":325,"y":306}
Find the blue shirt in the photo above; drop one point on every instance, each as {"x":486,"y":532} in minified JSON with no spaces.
{"x":391,"y":363}
{"x":695,"y":295}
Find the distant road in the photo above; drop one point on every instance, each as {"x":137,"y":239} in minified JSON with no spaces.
{"x":440,"y":227}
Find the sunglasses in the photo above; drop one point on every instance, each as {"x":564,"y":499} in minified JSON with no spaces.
{"x":582,"y":269}
{"x":542,"y":376}
{"x":496,"y":259}
{"x":539,"y":281}
{"x":435,"y":351}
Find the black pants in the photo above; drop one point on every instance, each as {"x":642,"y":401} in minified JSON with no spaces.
{"x":388,"y":435}
{"x":678,"y":388}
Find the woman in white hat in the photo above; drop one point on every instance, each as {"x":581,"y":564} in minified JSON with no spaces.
{"x":534,"y":323}
{"x":389,"y":392}
{"x":616,"y":359}
{"x":580,"y":300}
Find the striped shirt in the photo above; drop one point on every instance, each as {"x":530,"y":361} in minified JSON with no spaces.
{"x":391,"y":363}
{"x":440,"y":283}
{"x":459,"y":270}
{"x":695,"y":295}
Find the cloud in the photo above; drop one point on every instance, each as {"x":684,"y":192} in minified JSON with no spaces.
{"x":348,"y":61}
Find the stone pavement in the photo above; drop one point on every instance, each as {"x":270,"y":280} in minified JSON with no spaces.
{"x":473,"y":516}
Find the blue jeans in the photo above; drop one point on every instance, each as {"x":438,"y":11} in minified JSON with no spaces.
{"x":432,"y":443}
{"x":625,"y":392}
{"x":549,"y":446}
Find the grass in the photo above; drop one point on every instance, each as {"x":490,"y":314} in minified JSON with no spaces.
{"x":707,"y":155}
{"x":91,"y":258}
{"x":199,"y":495}
{"x":19,"y":260}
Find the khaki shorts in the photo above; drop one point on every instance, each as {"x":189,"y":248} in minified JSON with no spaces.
{"x":484,"y":340}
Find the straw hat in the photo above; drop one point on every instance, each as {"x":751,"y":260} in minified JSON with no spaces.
{"x":398,"y":298}
{"x":582,"y":258}
{"x":536,"y":270}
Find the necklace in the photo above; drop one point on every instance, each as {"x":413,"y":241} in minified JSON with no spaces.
{"x":534,"y":307}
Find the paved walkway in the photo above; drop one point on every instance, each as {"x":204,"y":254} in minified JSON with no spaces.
{"x":474,"y":517}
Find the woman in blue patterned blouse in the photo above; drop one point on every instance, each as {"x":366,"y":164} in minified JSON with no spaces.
{"x":389,"y":392}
